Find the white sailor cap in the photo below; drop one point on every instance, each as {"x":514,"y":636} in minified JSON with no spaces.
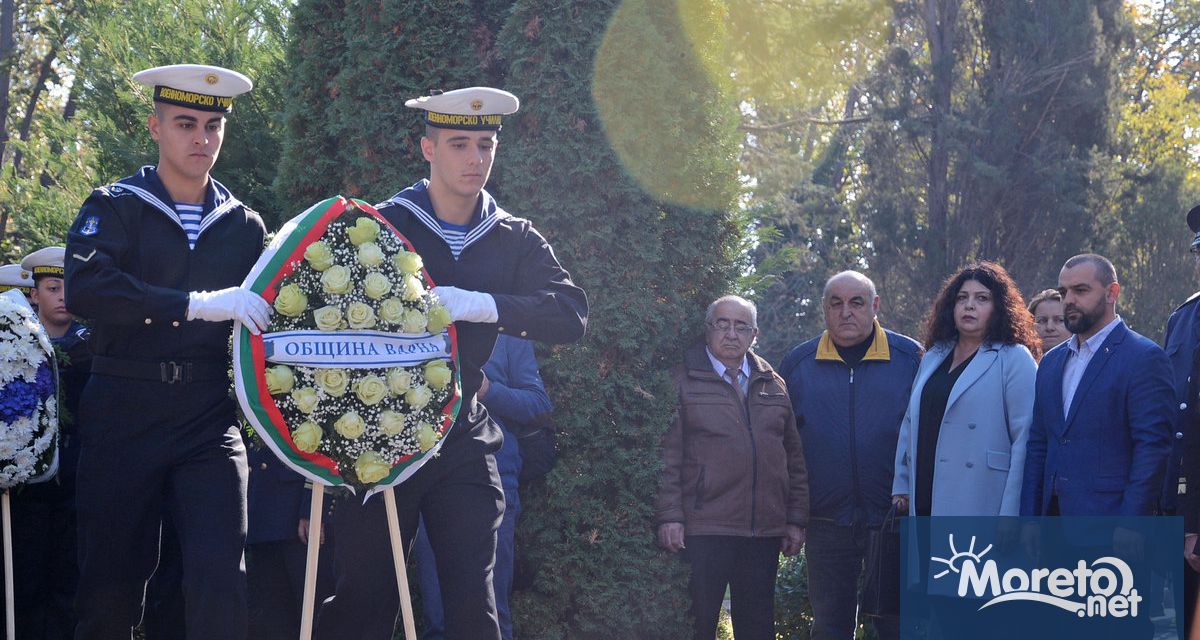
{"x":45,"y":262}
{"x":473,"y":108}
{"x":195,"y":86}
{"x":12,"y":276}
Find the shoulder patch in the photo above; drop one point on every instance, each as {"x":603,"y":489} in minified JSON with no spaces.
{"x":91,"y":226}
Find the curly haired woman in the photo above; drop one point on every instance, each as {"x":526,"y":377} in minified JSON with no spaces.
{"x":962,"y":443}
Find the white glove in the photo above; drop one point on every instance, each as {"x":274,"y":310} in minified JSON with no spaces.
{"x":234,"y":303}
{"x":468,"y":306}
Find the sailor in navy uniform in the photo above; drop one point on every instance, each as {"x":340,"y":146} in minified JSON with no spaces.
{"x":43,"y":514}
{"x":496,"y":274}
{"x":12,"y":276}
{"x":1181,"y":495}
{"x":155,"y":262}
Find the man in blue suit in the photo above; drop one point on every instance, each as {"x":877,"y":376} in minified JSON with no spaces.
{"x":1101,"y":431}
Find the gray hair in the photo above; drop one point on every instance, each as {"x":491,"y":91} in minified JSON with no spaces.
{"x":849,"y":275}
{"x":712,"y":307}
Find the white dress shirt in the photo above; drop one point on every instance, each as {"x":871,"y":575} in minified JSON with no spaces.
{"x":1078,"y":357}
{"x":719,"y":367}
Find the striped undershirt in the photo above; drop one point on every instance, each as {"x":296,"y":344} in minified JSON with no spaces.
{"x":190,"y":215}
{"x":455,"y":235}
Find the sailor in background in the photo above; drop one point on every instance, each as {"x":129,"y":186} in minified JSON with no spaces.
{"x":45,"y":570}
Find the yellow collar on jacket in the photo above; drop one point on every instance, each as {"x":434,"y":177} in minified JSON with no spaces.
{"x":879,"y":350}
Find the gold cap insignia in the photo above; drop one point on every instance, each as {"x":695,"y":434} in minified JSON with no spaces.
{"x":210,"y":78}
{"x":476,"y":105}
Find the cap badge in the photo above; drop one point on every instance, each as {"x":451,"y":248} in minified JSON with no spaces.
{"x":211,"y":78}
{"x":476,"y":105}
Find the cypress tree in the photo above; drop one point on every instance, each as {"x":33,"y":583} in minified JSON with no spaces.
{"x":356,"y":62}
{"x":611,"y":90}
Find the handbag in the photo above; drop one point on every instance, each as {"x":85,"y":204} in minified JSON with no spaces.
{"x":881,"y":586}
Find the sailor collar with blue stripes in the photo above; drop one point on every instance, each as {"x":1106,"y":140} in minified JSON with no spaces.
{"x":416,"y":199}
{"x":146,"y":185}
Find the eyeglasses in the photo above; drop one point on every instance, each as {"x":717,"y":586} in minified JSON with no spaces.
{"x":722,"y":326}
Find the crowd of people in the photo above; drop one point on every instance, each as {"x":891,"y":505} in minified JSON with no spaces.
{"x":159,"y":517}
{"x":1001,"y":409}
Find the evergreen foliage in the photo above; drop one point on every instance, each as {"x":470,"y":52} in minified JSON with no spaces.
{"x":127,"y":37}
{"x":649,"y":267}
{"x":355,"y":62}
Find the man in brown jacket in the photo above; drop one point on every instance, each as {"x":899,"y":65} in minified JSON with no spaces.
{"x":734,"y":490}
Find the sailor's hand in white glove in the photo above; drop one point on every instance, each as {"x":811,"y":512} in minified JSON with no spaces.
{"x":234,"y":303}
{"x":467,"y":306}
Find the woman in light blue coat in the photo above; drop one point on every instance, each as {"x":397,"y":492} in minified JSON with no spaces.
{"x":962,"y":443}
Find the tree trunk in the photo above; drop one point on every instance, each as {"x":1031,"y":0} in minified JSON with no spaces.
{"x":46,"y":179}
{"x":8,"y":51}
{"x":941,"y":17}
{"x":31,"y":108}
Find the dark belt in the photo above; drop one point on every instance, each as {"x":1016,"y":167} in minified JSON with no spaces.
{"x":170,"y":371}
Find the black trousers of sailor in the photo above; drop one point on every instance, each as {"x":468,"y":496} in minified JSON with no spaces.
{"x":462,"y":502}
{"x":152,"y":449}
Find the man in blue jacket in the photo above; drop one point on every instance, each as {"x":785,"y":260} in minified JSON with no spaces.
{"x":515,"y":397}
{"x":1101,"y":431}
{"x":849,"y":389}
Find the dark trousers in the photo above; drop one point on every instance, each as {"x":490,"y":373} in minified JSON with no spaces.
{"x":834,"y":555}
{"x":461,"y":503}
{"x":164,"y":612}
{"x":153,"y":449}
{"x":1191,"y":580}
{"x":502,"y":574}
{"x":275,"y":574}
{"x":44,"y":568}
{"x":747,"y":566}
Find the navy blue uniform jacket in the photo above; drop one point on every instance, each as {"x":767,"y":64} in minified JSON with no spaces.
{"x":507,"y":258}
{"x":129,"y":269}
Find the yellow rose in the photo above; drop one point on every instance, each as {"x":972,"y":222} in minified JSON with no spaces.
{"x":399,"y":380}
{"x":318,"y":256}
{"x":364,"y":230}
{"x":307,"y":436}
{"x":408,"y":262}
{"x":376,"y":285}
{"x":412,"y":288}
{"x":306,"y":399}
{"x":328,"y":318}
{"x":418,"y":396}
{"x":336,"y":279}
{"x":370,"y":390}
{"x":391,"y":422}
{"x":333,"y":381}
{"x":427,"y":436}
{"x":437,"y":374}
{"x":370,"y":467}
{"x":391,"y":310}
{"x":350,"y":425}
{"x":370,"y":255}
{"x":360,"y":315}
{"x":279,"y":379}
{"x":439,"y":319}
{"x":412,"y":321}
{"x":291,"y":300}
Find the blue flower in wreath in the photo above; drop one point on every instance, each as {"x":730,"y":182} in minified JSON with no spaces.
{"x":44,"y":382}
{"x":18,"y":399}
